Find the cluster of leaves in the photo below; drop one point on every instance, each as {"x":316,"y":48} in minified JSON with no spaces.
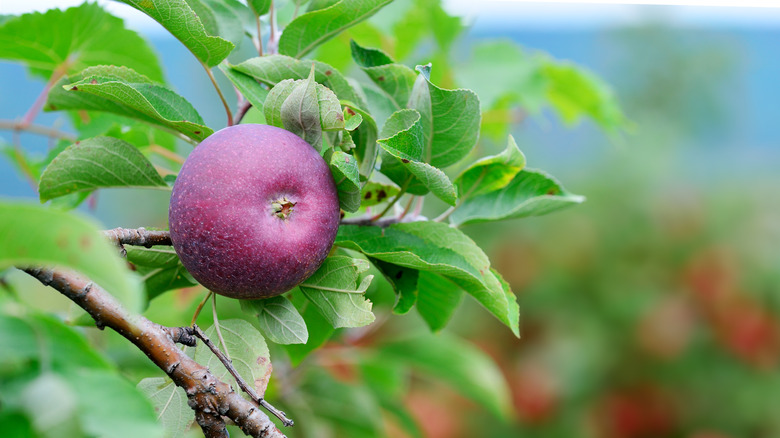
{"x":387,"y":137}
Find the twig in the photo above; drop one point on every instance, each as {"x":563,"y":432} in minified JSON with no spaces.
{"x":381,"y":223}
{"x":241,"y":383}
{"x":138,"y":237}
{"x":58,"y":73}
{"x":205,"y":392}
{"x":200,"y":307}
{"x":11,"y":125}
{"x":221,"y":96}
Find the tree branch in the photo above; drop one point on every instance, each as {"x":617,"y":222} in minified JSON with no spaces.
{"x":11,"y":125}
{"x":137,"y":237}
{"x":209,"y":397}
{"x":241,"y":383}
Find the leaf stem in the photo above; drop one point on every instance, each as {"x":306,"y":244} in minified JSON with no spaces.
{"x":166,"y":153}
{"x":216,"y":325}
{"x":272,"y":44}
{"x":391,"y":203}
{"x":221,"y":96}
{"x":200,"y":307}
{"x":242,"y":111}
{"x":58,"y":73}
{"x":445,"y":215}
{"x":259,"y":36}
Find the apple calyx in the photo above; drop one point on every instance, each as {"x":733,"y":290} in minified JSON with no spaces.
{"x":282,"y":208}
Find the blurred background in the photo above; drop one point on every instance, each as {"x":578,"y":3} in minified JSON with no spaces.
{"x":652,"y":310}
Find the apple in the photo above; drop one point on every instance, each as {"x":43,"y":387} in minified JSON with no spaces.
{"x":254,"y":211}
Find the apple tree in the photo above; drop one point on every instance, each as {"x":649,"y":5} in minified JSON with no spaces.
{"x":393,"y":163}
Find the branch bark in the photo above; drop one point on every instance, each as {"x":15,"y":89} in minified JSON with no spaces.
{"x":209,"y":397}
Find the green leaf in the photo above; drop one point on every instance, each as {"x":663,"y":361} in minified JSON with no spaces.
{"x":491,"y":173}
{"x":334,"y":289}
{"x":349,"y":407}
{"x":34,"y":235}
{"x":75,"y":39}
{"x":246,"y":348}
{"x":320,"y":330}
{"x":311,"y":29}
{"x":352,"y":120}
{"x":575,"y":92}
{"x":220,"y":19}
{"x":273,"y":69}
{"x":182,"y":22}
{"x":260,"y":7}
{"x":160,"y":269}
{"x":404,"y":282}
{"x":170,"y":404}
{"x":279,"y":319}
{"x":345,"y":172}
{"x":122,"y":91}
{"x":364,"y":137}
{"x":249,"y":88}
{"x":450,"y":120}
{"x":395,"y":80}
{"x":464,"y":367}
{"x":374,"y":193}
{"x":530,"y":193}
{"x":42,"y":337}
{"x":438,"y":248}
{"x":300,"y":112}
{"x":437,"y":300}
{"x":97,"y":163}
{"x":272,"y":107}
{"x":108,"y":405}
{"x":403,"y":139}
{"x":331,"y":116}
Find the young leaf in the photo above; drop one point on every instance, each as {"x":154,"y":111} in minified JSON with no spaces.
{"x":438,"y":248}
{"x":279,"y":319}
{"x":437,"y":300}
{"x":530,"y":193}
{"x":273,"y":69}
{"x":364,"y":137}
{"x":450,"y":120}
{"x":170,"y":403}
{"x":249,"y":88}
{"x":97,"y":163}
{"x":160,"y":269}
{"x":34,"y":235}
{"x":300,"y":112}
{"x":75,"y":39}
{"x":272,"y":106}
{"x":182,"y":22}
{"x":491,"y":173}
{"x":395,"y":80}
{"x":246,"y":348}
{"x":122,"y":91}
{"x":404,"y":282}
{"x":403,"y":139}
{"x":331,"y":116}
{"x":466,"y":368}
{"x":335,"y":292}
{"x":311,"y":29}
{"x":345,"y":172}
{"x":320,"y":330}
{"x":352,"y":120}
{"x":374,"y":193}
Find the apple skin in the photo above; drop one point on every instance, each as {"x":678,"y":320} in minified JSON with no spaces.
{"x":228,"y":205}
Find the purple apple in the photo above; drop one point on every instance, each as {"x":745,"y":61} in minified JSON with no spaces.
{"x":254,"y":211}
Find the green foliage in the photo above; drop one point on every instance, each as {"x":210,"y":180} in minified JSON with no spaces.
{"x":311,"y":29}
{"x":95,"y":163}
{"x":389,"y":137}
{"x":65,"y":240}
{"x":72,"y":40}
{"x":122,"y":91}
{"x":182,"y":22}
